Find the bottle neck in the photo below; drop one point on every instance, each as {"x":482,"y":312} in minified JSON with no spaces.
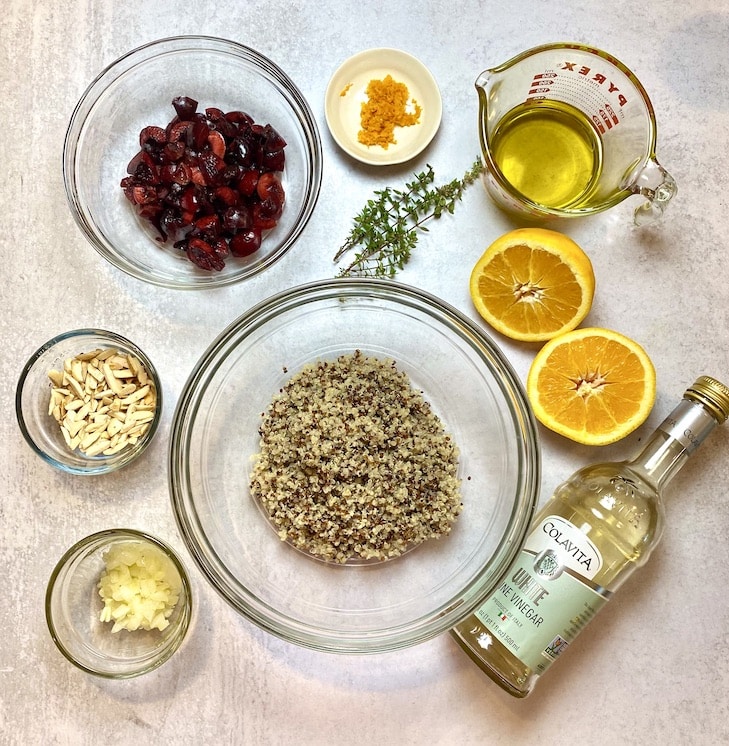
{"x":676,"y":438}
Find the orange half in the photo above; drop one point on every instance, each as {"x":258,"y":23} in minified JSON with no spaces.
{"x":594,"y":386}
{"x":532,"y":284}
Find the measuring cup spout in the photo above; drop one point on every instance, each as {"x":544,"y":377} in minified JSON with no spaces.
{"x":653,"y":182}
{"x":482,"y":88}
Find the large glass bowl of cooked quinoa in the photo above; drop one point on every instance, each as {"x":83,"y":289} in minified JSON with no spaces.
{"x":353,"y":464}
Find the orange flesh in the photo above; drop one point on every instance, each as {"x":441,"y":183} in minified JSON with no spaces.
{"x":593,"y":385}
{"x":531,"y":290}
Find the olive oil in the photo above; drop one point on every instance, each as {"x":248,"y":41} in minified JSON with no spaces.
{"x":549,"y":152}
{"x":598,"y":527}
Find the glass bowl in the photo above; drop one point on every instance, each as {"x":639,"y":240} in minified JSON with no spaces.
{"x":73,"y":608}
{"x":136,"y":91}
{"x":41,"y":429}
{"x":352,"y":608}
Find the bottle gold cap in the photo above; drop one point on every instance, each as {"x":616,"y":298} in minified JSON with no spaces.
{"x":712,"y":394}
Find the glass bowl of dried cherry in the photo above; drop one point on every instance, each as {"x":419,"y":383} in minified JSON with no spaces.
{"x":192,"y":162}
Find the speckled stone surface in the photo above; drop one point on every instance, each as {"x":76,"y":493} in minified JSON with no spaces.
{"x":651,"y":668}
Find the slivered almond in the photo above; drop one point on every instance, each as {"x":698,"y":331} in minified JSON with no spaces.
{"x":77,"y":370}
{"x":111,"y":380}
{"x":140,"y":415}
{"x":76,"y":387}
{"x":95,"y":373}
{"x":73,"y":426}
{"x":136,"y":396}
{"x":113,"y":427}
{"x":103,"y":400}
{"x":100,"y":425}
{"x":98,"y":447}
{"x":91,"y":355}
{"x":123,"y":442}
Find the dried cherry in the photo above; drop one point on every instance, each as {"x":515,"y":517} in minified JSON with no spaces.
{"x":209,"y":182}
{"x":245,"y":243}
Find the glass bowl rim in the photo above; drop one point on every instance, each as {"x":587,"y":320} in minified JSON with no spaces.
{"x":202,"y":550}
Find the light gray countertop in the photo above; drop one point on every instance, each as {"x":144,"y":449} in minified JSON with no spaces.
{"x":652,"y":667}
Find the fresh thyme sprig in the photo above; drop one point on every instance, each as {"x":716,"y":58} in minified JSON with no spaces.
{"x":387,"y":229}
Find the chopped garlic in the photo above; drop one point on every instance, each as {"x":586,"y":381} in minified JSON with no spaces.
{"x":140,"y":587}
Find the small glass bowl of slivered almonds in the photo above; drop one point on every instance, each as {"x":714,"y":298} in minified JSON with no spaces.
{"x":88,"y":401}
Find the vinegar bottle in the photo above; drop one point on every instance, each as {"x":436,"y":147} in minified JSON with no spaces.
{"x":599,"y":526}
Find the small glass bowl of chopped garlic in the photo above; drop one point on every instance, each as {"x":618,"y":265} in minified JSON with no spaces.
{"x":88,"y":401}
{"x":119,"y":603}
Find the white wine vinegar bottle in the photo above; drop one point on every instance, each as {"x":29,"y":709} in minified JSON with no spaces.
{"x":599,"y":526}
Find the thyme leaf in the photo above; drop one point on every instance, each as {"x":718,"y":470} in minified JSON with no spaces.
{"x":386,"y":230}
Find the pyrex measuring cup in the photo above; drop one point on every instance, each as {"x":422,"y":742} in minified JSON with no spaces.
{"x":567,"y":130}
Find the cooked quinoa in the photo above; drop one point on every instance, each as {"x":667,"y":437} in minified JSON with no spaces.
{"x":353,"y":462}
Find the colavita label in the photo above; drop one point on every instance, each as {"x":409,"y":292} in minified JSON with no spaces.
{"x":546,"y":599}
{"x":575,"y":551}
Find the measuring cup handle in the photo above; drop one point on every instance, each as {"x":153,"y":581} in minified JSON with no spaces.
{"x":658,"y":187}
